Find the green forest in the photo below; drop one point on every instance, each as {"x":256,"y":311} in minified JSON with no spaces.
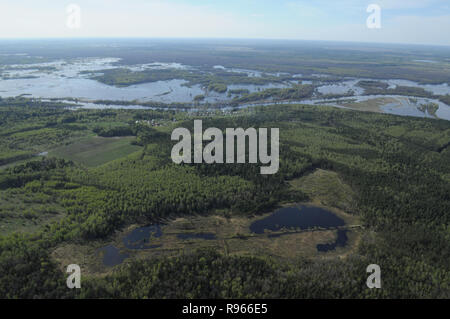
{"x":398,"y":167}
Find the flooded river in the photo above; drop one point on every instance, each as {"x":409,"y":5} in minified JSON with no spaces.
{"x":70,"y":79}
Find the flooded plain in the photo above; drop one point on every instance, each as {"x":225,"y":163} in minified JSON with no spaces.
{"x":72,"y":80}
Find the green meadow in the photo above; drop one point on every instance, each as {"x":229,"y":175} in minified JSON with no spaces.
{"x":96,"y":150}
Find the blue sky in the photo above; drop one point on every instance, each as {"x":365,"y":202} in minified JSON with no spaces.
{"x":402,"y":21}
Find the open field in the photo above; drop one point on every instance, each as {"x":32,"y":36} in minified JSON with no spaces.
{"x":27,"y":212}
{"x":326,"y":188}
{"x":95,"y":151}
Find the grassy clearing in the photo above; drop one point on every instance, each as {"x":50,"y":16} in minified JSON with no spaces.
{"x":86,"y":256}
{"x":27,"y":212}
{"x":233,"y":237}
{"x":25,"y":222}
{"x":95,"y":151}
{"x":326,"y":188}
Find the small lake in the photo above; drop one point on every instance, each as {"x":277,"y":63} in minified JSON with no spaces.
{"x":341,"y":241}
{"x":112,"y":256}
{"x":140,"y":238}
{"x":298,"y":217}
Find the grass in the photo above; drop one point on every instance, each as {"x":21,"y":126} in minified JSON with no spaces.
{"x":233,"y":237}
{"x":27,"y":212}
{"x":95,"y":151}
{"x":326,"y":188}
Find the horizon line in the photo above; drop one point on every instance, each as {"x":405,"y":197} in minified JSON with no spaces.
{"x":217,"y":38}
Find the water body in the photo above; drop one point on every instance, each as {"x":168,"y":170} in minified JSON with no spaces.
{"x":403,"y":105}
{"x":95,"y":106}
{"x":298,"y":217}
{"x":341,"y":87}
{"x":51,"y":87}
{"x":425,"y":61}
{"x":438,"y":89}
{"x":351,"y":84}
{"x":341,"y":241}
{"x":137,"y":239}
{"x":215,"y":97}
{"x":112,"y":256}
{"x":205,"y":236}
{"x":158,"y":66}
{"x":70,"y":79}
{"x":140,"y":238}
{"x":67,"y":79}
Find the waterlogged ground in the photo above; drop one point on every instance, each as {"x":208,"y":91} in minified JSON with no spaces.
{"x":73,"y":79}
{"x":391,"y":104}
{"x":320,"y":233}
{"x":323,"y":228}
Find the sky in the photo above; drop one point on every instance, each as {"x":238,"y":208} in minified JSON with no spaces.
{"x":401,"y":21}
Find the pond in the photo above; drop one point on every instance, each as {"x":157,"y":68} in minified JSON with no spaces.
{"x":298,"y":217}
{"x":137,"y":239}
{"x":140,"y":237}
{"x":341,"y":241}
{"x":112,"y":256}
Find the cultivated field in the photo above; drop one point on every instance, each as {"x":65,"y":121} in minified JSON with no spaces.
{"x":95,"y":151}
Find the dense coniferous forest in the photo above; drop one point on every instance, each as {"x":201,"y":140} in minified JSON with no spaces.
{"x":399,"y":167}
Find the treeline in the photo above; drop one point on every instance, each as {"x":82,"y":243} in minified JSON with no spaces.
{"x":296,"y":92}
{"x":210,"y":275}
{"x":445,"y":99}
{"x":115,"y":131}
{"x":382,"y":88}
{"x":213,"y":79}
